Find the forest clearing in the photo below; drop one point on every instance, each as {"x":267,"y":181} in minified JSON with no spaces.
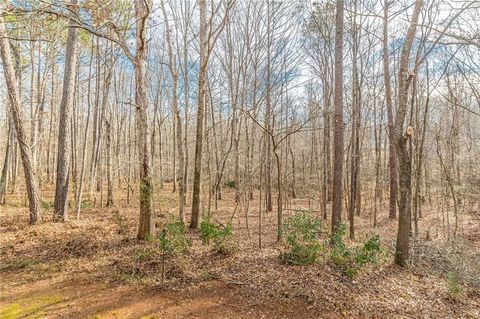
{"x":240,"y":159}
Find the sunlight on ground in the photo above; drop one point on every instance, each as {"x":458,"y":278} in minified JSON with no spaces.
{"x":28,"y":307}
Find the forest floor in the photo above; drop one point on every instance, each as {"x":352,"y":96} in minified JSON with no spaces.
{"x":95,"y":268}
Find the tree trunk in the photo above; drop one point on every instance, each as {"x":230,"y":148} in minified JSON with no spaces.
{"x":3,"y":178}
{"x":178,"y":144}
{"x":405,"y":168}
{"x":338,"y":121}
{"x":392,"y":157}
{"x":146,"y":226}
{"x":200,"y":117}
{"x":15,"y":110}
{"x":63,"y":147}
{"x":355,"y":152}
{"x":109,"y":162}
{"x":279,"y":196}
{"x":85,"y":136}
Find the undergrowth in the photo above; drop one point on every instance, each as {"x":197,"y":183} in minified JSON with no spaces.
{"x":301,"y":238}
{"x":162,"y":255}
{"x":351,"y":259}
{"x":303,"y":247}
{"x":220,"y":235}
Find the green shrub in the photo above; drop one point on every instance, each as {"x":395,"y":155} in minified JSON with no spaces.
{"x":455,"y":290}
{"x":221,"y":236}
{"x":368,"y":254}
{"x":231,"y":183}
{"x":340,"y":255}
{"x":46,"y":205}
{"x":86,"y":204}
{"x":301,"y":238}
{"x":351,"y":260}
{"x":208,"y":231}
{"x":173,"y":240}
{"x":144,"y":255}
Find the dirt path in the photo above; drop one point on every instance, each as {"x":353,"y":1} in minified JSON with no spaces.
{"x":82,"y":299}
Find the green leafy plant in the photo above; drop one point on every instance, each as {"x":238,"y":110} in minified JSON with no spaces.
{"x":340,"y":255}
{"x":230,"y":183}
{"x":86,"y":204}
{"x":220,"y":235}
{"x":144,"y":255}
{"x":46,"y":205}
{"x":351,"y":260}
{"x":172,"y":240}
{"x":368,"y":254}
{"x":455,"y":290}
{"x":301,"y":238}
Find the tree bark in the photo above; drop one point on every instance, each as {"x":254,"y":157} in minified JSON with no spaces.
{"x":63,"y":147}
{"x":405,"y":168}
{"x":177,"y":125}
{"x":108,"y":145}
{"x":85,"y":136}
{"x":3,"y":178}
{"x":392,"y":157}
{"x":194,"y":221}
{"x":146,"y":226}
{"x":15,"y":110}
{"x":338,"y":121}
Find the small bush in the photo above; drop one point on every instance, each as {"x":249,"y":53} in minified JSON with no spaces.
{"x":455,"y":290}
{"x":301,"y":237}
{"x":231,"y":183}
{"x":144,"y":255}
{"x":173,"y":240}
{"x":86,"y":204}
{"x":340,"y":255}
{"x":207,"y":275}
{"x":220,"y":235}
{"x":368,"y":254}
{"x":46,"y":205}
{"x":351,"y":260}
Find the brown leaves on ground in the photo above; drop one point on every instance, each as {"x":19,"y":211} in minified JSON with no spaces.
{"x":111,"y":265}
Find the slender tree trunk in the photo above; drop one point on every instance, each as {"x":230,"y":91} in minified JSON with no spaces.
{"x":200,"y":116}
{"x":108,"y":125}
{"x":15,"y":110}
{"x":146,"y":226}
{"x":279,"y":196}
{"x":338,"y":121}
{"x":405,"y":168}
{"x":64,"y":129}
{"x":177,"y":125}
{"x":3,"y":178}
{"x":268,"y":114}
{"x":355,"y":151}
{"x":85,"y":136}
{"x":392,"y":157}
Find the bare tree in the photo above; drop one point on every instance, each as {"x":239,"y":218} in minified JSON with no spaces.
{"x":338,"y":121}
{"x":172,"y":66}
{"x":146,"y":226}
{"x":16,"y":112}
{"x":401,"y":138}
{"x":208,"y":36}
{"x":64,"y":129}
